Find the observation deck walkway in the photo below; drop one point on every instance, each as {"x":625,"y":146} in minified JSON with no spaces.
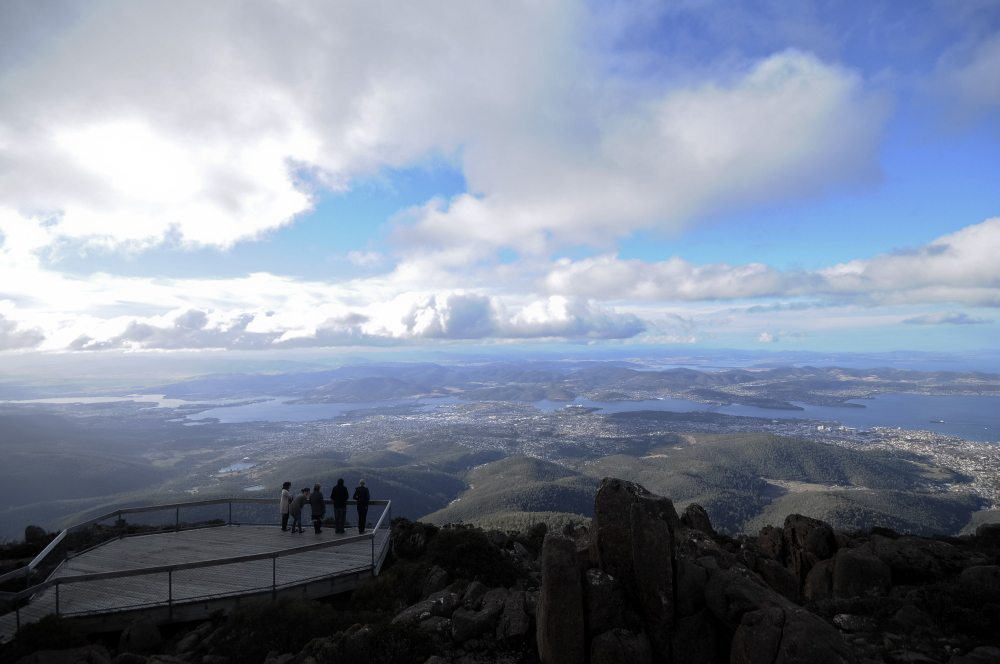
{"x":223,"y":553}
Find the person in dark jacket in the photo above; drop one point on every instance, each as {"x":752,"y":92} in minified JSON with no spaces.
{"x":363,"y":497}
{"x":339,"y":497}
{"x":295,"y":509}
{"x":318,"y":506}
{"x":283,"y":503}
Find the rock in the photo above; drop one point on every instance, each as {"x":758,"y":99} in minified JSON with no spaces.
{"x":142,"y":636}
{"x":652,"y":561}
{"x":757,"y":639}
{"x":467,"y":625}
{"x":444,"y":602}
{"x":417,"y":613}
{"x":435,"y":625}
{"x":811,"y":535}
{"x":732,"y":593}
{"x":918,"y":559}
{"x":771,"y":542}
{"x":514,"y":623}
{"x":780,"y":579}
{"x":410,"y":538}
{"x":690,"y":593}
{"x":520,"y":551}
{"x":982,"y":577}
{"x":858,"y":573}
{"x":851,"y":623}
{"x":437,"y":579}
{"x":989,"y":532}
{"x":696,"y":517}
{"x":619,"y":646}
{"x":698,"y":638}
{"x":908,"y":657}
{"x":819,"y":580}
{"x":911,"y":618}
{"x":188,"y":643}
{"x":808,"y":639}
{"x":494,"y":602}
{"x":498,"y":539}
{"x":168,"y":659}
{"x":602,"y":602}
{"x":473,"y":597}
{"x":611,"y":526}
{"x":84,"y":655}
{"x":35,"y":534}
{"x":559,"y":616}
{"x":981,"y":655}
{"x":128,"y":658}
{"x":436,"y":659}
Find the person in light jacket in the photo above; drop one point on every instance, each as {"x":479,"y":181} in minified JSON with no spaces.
{"x":339,"y":497}
{"x":318,"y":506}
{"x":283,"y":503}
{"x":362,"y":495}
{"x":295,"y":509}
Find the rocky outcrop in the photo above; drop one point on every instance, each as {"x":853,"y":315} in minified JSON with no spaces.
{"x":560,"y":626}
{"x":141,"y":637}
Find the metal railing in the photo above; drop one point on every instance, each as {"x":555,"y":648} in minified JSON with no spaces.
{"x":243,"y":514}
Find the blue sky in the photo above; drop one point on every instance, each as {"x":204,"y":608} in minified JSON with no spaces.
{"x":696,"y":174}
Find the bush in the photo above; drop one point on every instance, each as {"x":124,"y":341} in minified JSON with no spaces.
{"x":49,"y":633}
{"x":410,"y":538}
{"x":253,"y":630}
{"x":396,"y":587}
{"x":377,"y":644}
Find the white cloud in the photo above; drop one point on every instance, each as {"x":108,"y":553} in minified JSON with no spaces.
{"x":365,"y":258}
{"x":966,"y":80}
{"x":790,"y":127}
{"x":947,"y":318}
{"x":766,"y":338}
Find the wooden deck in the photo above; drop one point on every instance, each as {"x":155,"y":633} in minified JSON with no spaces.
{"x":192,"y":593}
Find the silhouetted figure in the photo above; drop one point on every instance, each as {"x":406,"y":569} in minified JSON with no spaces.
{"x":363,"y":497}
{"x":295,"y":509}
{"x":339,"y":496}
{"x":286,"y":500}
{"x":318,"y":506}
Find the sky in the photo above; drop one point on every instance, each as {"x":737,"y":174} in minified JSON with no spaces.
{"x":270,"y":175}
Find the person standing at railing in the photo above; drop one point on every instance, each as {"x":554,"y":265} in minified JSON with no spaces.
{"x":295,"y":509}
{"x":362,"y":495}
{"x":286,"y":500}
{"x":318,"y":506}
{"x":339,"y":497}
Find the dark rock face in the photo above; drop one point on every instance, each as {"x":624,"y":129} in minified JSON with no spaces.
{"x":780,"y":579}
{"x":141,"y":637}
{"x":652,"y":553}
{"x":758,"y":637}
{"x":611,"y":527}
{"x":473,"y":597}
{"x":514,"y":623}
{"x":981,"y":655}
{"x":619,"y":646}
{"x":732,"y":593}
{"x":771,"y":542}
{"x":691,"y":582}
{"x":911,"y":618}
{"x":603,"y":602}
{"x":819,"y":581}
{"x":984,"y":577}
{"x":696,"y":517}
{"x":857,"y":572}
{"x":808,"y":639}
{"x":436,"y":580}
{"x":806,"y":542}
{"x":559,"y":616}
{"x":699,"y":638}
{"x":916,"y":559}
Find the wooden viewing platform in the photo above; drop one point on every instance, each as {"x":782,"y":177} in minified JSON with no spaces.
{"x":187,"y":573}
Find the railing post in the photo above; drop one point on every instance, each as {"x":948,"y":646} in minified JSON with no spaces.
{"x":17,"y":616}
{"x":177,"y":519}
{"x":230,"y":512}
{"x":57,"y":598}
{"x":274,"y":578}
{"x":170,"y":595}
{"x":121,"y":526}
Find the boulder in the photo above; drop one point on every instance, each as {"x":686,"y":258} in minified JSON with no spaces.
{"x":128,"y":658}
{"x":981,"y":577}
{"x":853,"y":623}
{"x":732,"y":593}
{"x":473,"y":597}
{"x":141,"y":637}
{"x":467,"y":625}
{"x":188,"y":643}
{"x":619,"y":646}
{"x":690,"y":591}
{"x":436,"y":579}
{"x":810,"y":535}
{"x":819,"y":580}
{"x":780,"y":579}
{"x":84,"y":655}
{"x":908,"y":657}
{"x":858,"y":573}
{"x":989,"y":533}
{"x":917,"y":559}
{"x":981,"y":655}
{"x":438,"y":625}
{"x":758,"y":638}
{"x":35,"y":534}
{"x":603,"y":602}
{"x":611,"y":526}
{"x":498,"y":539}
{"x":910,"y":618}
{"x":771,"y":542}
{"x":494,"y":602}
{"x":559,"y":615}
{"x":417,"y":613}
{"x":696,"y":517}
{"x":808,"y":639}
{"x":652,"y":560}
{"x":514,"y":623}
{"x":699,"y":638}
